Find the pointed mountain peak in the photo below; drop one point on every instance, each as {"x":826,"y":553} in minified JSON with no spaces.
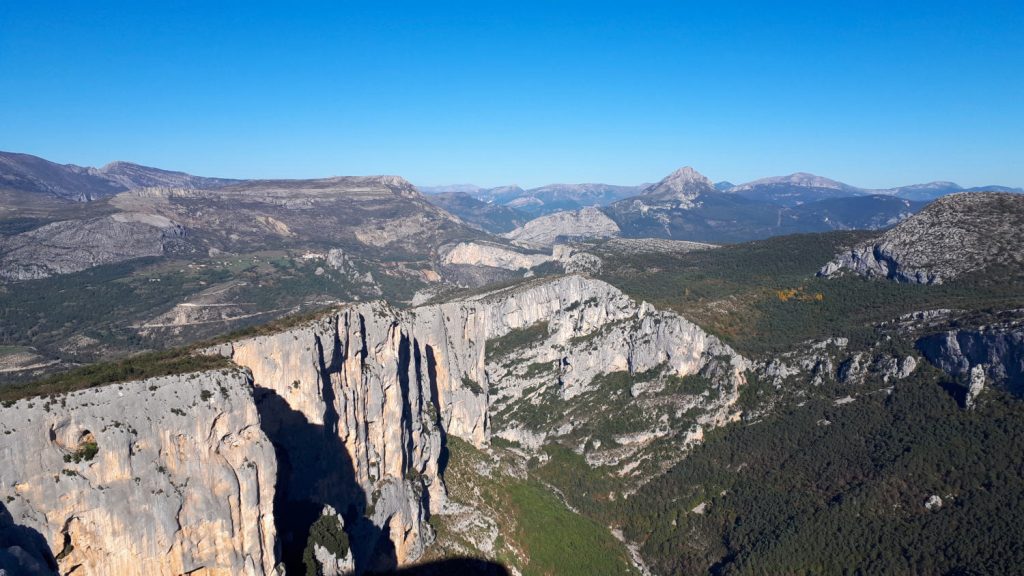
{"x":685,"y":183}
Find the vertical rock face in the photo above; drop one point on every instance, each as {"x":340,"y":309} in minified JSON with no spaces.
{"x":346,"y":401}
{"x":976,"y":385}
{"x":346,"y":416}
{"x":167,"y":476}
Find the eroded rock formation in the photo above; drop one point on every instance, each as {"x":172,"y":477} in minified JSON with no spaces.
{"x":168,"y":476}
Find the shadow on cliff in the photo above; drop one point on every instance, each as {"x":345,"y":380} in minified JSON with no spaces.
{"x":435,"y":400}
{"x":314,"y":469}
{"x":23,"y":550}
{"x":452,"y":566}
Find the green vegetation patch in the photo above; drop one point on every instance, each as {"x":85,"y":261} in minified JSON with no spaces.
{"x":516,"y":339}
{"x":139,"y":367}
{"x":86,"y":452}
{"x":471,"y":385}
{"x":538,"y":533}
{"x":328,"y":533}
{"x":557,"y":541}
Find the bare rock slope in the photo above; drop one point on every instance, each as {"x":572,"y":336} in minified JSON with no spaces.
{"x":75,"y":245}
{"x":578,"y":224}
{"x":955,"y":235}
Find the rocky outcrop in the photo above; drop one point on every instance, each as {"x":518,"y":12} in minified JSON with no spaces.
{"x":585,"y":223}
{"x":954,"y":235}
{"x":166,"y":476}
{"x":492,"y":255}
{"x":975,"y":385}
{"x":831,"y":361}
{"x":998,"y":351}
{"x":551,"y":343}
{"x":74,"y":245}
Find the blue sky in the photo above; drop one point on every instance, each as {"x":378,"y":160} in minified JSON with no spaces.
{"x":872,"y":93}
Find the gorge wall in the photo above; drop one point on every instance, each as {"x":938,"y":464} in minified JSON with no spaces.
{"x":347,"y":415}
{"x":168,"y":476}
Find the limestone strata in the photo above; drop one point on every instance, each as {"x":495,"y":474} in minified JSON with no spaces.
{"x":182,"y":482}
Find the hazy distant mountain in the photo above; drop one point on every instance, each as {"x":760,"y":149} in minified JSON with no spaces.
{"x":794,"y":189}
{"x":687,"y":206}
{"x":544,"y":199}
{"x":723,"y":185}
{"x":572,"y":196}
{"x":802,"y":187}
{"x":488,"y":216}
{"x":854,"y":213}
{"x":933,"y":190}
{"x":133,"y":176}
{"x":464,"y":188}
{"x":27,"y":173}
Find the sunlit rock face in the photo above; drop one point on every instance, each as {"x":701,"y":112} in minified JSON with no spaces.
{"x":346,"y":400}
{"x":348,"y":415}
{"x":167,"y":476}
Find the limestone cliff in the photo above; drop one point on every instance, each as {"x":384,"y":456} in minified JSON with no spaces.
{"x":176,"y":474}
{"x":493,"y":255}
{"x":167,"y":476}
{"x":347,"y":403}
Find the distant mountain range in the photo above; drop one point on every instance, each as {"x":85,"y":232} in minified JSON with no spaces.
{"x":792,"y":190}
{"x":684,"y":205}
{"x":802,"y":187}
{"x":29,"y":173}
{"x":542,"y":200}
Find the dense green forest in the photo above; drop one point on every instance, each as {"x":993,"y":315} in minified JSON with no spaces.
{"x":824,"y":488}
{"x":829,"y":489}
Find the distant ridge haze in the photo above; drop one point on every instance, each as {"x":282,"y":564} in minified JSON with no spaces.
{"x":70,"y":181}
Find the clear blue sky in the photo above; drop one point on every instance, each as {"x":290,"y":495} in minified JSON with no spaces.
{"x":871,"y":93}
